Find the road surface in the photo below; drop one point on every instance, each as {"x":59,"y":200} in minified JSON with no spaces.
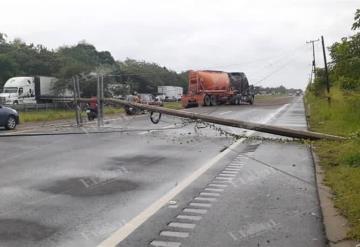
{"x":86,"y":190}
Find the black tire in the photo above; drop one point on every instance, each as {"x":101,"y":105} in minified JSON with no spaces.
{"x":15,"y":102}
{"x":207,"y":100}
{"x":213,"y":100}
{"x":10,"y":123}
{"x":251,"y":101}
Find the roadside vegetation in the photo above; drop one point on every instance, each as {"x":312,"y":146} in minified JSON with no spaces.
{"x":60,"y":114}
{"x":340,"y":160}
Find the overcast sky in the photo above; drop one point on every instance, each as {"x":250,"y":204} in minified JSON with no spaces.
{"x":263,"y":38}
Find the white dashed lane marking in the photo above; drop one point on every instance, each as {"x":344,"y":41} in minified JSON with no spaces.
{"x":218,"y":185}
{"x":195,"y":211}
{"x":207,"y":199}
{"x":214,"y":189}
{"x":230,"y":172}
{"x":223,"y":178}
{"x":165,"y":244}
{"x":182,"y":225}
{"x":209,"y":194}
{"x":174,"y":234}
{"x":189,"y":217}
{"x":200,"y":205}
{"x":226,"y":175}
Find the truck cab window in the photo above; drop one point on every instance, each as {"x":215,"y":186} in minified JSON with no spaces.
{"x":21,"y":90}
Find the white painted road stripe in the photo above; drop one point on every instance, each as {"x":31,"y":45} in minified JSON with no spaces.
{"x":135,"y":222}
{"x":201,"y":205}
{"x":227,"y":175}
{"x":230,"y":172}
{"x":214,"y":189}
{"x":208,"y":199}
{"x":165,"y":244}
{"x":223,"y":178}
{"x":182,"y":225}
{"x":174,"y":234}
{"x":218,"y":185}
{"x":209,"y":194}
{"x":195,"y":211}
{"x":189,"y":217}
{"x":232,"y":169}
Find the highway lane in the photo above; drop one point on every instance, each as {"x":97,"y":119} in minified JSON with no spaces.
{"x":77,"y":190}
{"x":262,"y":194}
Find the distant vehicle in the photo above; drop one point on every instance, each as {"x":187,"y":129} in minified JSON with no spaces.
{"x":9,"y":117}
{"x":34,"y":89}
{"x":210,"y":88}
{"x":298,"y":93}
{"x":171,"y":93}
{"x":149,"y":99}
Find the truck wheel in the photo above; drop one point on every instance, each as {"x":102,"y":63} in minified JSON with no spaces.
{"x":15,"y":102}
{"x":207,"y":100}
{"x":10,"y":123}
{"x":251,"y":101}
{"x":213,"y":100}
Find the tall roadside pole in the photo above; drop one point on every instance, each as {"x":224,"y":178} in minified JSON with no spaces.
{"x":313,"y":62}
{"x":326,"y":70}
{"x":76,"y":85}
{"x":100,"y":100}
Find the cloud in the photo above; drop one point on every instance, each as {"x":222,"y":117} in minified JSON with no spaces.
{"x":257,"y":37}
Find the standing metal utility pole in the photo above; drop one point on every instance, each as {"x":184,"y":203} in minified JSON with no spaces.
{"x":313,"y":62}
{"x":76,"y":100}
{"x":100,"y":100}
{"x":326,"y":67}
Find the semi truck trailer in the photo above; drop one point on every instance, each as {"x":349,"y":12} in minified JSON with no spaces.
{"x":210,"y":88}
{"x":31,"y":89}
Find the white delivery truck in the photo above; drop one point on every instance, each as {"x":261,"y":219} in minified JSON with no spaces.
{"x":32,"y":89}
{"x":171,"y":93}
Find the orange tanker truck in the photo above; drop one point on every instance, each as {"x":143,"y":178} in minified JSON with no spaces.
{"x":210,"y":88}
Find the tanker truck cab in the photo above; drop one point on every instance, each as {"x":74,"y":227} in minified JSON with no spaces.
{"x":16,"y":89}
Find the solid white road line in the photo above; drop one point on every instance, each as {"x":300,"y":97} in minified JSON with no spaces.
{"x":134,"y":223}
{"x":200,"y":205}
{"x":214,"y":189}
{"x":207,"y":199}
{"x":218,"y":185}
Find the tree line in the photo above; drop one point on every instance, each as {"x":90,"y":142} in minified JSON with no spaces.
{"x":344,"y":69}
{"x":18,"y":58}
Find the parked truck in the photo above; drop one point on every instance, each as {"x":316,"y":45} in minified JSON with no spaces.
{"x":31,"y":89}
{"x":171,"y":93}
{"x":210,"y":88}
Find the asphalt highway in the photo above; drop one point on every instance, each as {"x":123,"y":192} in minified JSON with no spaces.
{"x":86,"y":190}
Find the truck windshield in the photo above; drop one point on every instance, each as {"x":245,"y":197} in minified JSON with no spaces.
{"x":10,"y":90}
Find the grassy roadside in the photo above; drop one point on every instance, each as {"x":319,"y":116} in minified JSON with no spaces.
{"x":51,"y":115}
{"x":340,"y":160}
{"x":173,"y":105}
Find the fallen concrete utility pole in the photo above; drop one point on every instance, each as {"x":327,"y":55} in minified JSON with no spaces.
{"x":301,"y":134}
{"x":231,"y":122}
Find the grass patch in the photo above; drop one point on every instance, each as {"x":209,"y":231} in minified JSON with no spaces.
{"x":57,"y":114}
{"x":340,"y":160}
{"x":173,"y":105}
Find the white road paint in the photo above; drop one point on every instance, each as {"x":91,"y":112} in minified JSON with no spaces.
{"x":165,"y":244}
{"x":209,"y":194}
{"x":174,"y":234}
{"x":182,"y":225}
{"x":230,"y":172}
{"x":200,"y":205}
{"x":188,"y":217}
{"x":134,"y":223}
{"x":214,"y":189}
{"x":223,"y":178}
{"x":218,"y":185}
{"x":227,"y":175}
{"x":195,"y":210}
{"x":207,"y":199}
